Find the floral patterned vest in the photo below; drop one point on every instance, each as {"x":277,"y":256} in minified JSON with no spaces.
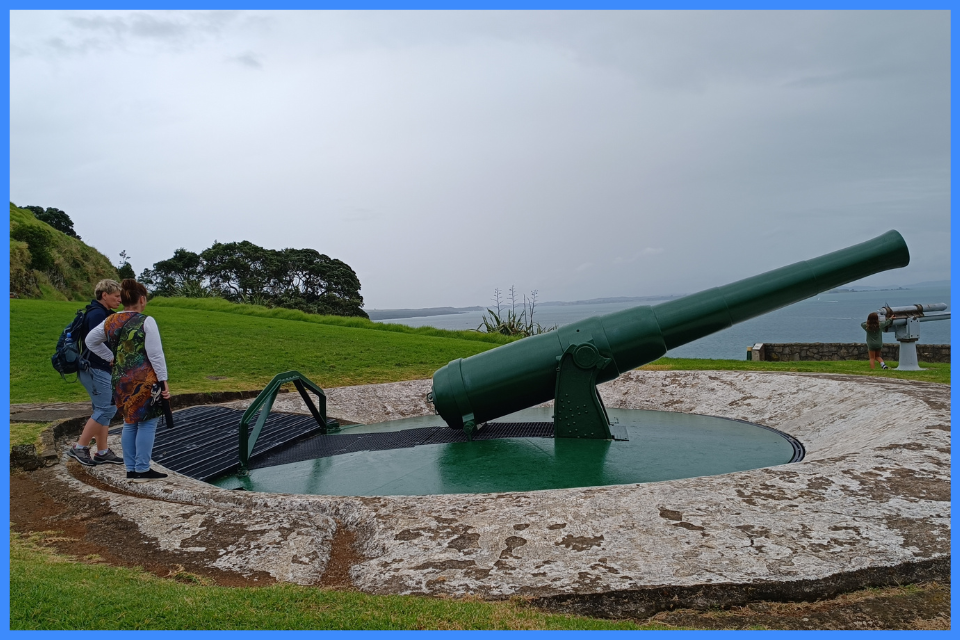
{"x":133,"y":375}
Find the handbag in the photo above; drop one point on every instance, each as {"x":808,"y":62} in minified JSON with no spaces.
{"x":156,"y":391}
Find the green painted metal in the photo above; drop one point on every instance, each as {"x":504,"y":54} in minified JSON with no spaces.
{"x":661,"y":446}
{"x":579,"y":411}
{"x":522,"y":374}
{"x":264,"y":403}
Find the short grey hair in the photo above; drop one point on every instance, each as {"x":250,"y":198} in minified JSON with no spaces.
{"x":106,"y":286}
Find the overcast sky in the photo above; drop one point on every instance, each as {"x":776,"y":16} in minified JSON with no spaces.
{"x":442,"y":154}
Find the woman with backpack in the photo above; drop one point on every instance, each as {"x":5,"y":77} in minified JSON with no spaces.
{"x":95,"y":378}
{"x":131,"y":341}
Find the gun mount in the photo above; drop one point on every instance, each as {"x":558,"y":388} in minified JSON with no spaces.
{"x":567,"y":364}
{"x":906,"y":328}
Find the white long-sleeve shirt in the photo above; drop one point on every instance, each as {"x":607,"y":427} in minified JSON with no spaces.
{"x":97,"y":338}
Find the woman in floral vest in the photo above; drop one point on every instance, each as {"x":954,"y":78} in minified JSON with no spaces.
{"x":130,"y":341}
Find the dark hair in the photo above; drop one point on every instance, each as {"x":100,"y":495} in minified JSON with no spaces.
{"x":873,"y":322}
{"x":131,"y":291}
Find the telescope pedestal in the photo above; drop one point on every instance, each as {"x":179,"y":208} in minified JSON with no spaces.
{"x":907,"y":332}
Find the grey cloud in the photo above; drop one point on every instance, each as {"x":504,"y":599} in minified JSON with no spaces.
{"x":64,"y":47}
{"x":247,"y":59}
{"x":168,"y":25}
{"x":661,"y":152}
{"x":667,"y":48}
{"x":82,"y":33}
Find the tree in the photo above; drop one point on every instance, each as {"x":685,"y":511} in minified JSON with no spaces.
{"x":124,"y":268}
{"x":181,"y":275}
{"x":56,"y":218}
{"x":125,"y":271}
{"x":242,"y":272}
{"x":311,"y":281}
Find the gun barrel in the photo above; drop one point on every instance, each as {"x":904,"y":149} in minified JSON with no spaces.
{"x":523,"y":373}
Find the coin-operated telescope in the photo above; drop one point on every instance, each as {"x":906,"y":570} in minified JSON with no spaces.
{"x":568,"y":363}
{"x":906,"y":328}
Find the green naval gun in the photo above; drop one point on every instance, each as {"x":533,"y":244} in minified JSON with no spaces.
{"x":566,"y":365}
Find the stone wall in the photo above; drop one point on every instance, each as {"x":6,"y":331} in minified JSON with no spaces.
{"x":785,"y":351}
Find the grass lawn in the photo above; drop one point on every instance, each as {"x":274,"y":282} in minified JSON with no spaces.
{"x":934,"y":371}
{"x":27,"y":433}
{"x":247,"y":346}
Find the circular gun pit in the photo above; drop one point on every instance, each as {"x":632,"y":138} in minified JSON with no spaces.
{"x":422,"y":456}
{"x":868,"y":505}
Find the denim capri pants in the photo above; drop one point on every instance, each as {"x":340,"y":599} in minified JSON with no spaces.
{"x":98,"y":384}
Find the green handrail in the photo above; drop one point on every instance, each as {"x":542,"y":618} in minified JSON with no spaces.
{"x":265,"y":402}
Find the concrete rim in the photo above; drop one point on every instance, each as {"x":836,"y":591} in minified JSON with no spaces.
{"x":868,"y":505}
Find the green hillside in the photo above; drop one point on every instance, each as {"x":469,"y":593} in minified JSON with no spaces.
{"x":48,"y":264}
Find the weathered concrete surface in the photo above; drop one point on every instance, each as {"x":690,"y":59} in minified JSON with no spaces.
{"x":364,"y":404}
{"x":869,"y":505}
{"x":39,"y":412}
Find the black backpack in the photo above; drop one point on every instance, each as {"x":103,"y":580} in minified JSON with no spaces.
{"x":70,"y":354}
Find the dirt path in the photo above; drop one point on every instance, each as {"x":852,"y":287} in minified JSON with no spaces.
{"x":82,"y":528}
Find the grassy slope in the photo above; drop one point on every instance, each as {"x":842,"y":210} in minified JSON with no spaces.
{"x":223,"y":306}
{"x":76,"y":266}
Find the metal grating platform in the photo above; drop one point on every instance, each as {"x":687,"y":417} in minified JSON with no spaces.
{"x":205,"y":441}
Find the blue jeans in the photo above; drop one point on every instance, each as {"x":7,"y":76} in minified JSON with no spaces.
{"x":137,"y":440}
{"x":100,"y":388}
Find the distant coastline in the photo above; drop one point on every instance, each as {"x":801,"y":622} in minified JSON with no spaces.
{"x":397,"y":314}
{"x":919,"y":285}
{"x":561,"y":303}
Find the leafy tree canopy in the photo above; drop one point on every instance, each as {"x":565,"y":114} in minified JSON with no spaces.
{"x":54,"y":217}
{"x":303,"y":279}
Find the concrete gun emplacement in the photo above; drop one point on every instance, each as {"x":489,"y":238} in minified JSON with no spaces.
{"x":568,"y":363}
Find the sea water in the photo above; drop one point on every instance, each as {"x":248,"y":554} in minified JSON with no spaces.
{"x":828,"y":317}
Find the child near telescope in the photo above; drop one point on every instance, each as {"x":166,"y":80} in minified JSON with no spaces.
{"x":874,"y":329}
